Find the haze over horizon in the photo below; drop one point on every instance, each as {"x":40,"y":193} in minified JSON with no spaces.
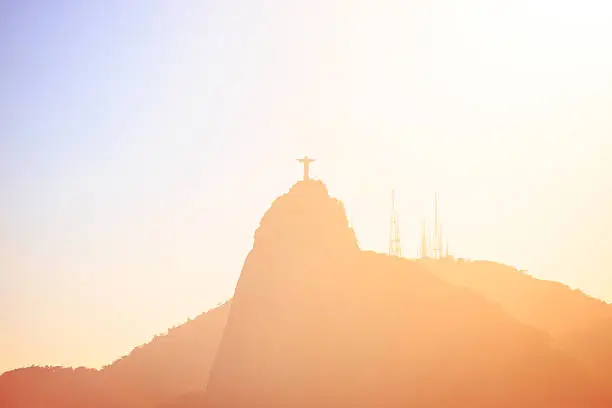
{"x":141,"y":143}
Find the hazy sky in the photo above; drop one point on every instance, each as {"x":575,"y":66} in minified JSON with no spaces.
{"x":141,"y":141}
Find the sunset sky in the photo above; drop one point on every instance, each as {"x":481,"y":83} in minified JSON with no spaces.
{"x":141,"y":142}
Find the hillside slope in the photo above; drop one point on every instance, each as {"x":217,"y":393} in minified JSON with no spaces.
{"x":549,"y":306}
{"x":172,"y":364}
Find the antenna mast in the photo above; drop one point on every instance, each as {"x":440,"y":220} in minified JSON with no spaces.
{"x":395,"y":246}
{"x":424,"y":250}
{"x":438,"y":250}
{"x":436,"y":230}
{"x":434,"y":244}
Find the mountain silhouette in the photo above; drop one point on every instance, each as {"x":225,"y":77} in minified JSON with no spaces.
{"x":55,"y":387}
{"x":547,"y":305}
{"x":170,"y":365}
{"x":315,"y":321}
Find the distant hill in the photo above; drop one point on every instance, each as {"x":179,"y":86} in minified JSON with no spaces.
{"x":54,"y":387}
{"x":317,"y":322}
{"x":172,"y":364}
{"x":549,"y":306}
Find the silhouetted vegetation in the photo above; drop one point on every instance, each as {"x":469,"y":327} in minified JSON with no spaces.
{"x":53,"y":387}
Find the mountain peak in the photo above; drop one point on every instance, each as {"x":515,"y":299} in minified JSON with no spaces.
{"x":306,"y":218}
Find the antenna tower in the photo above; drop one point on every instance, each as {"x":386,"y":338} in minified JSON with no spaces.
{"x":433,"y":244}
{"x":395,"y":246}
{"x":437,"y":236}
{"x":438,"y":250}
{"x":424,"y":249}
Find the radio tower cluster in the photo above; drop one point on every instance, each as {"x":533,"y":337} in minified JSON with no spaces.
{"x":433,"y":245}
